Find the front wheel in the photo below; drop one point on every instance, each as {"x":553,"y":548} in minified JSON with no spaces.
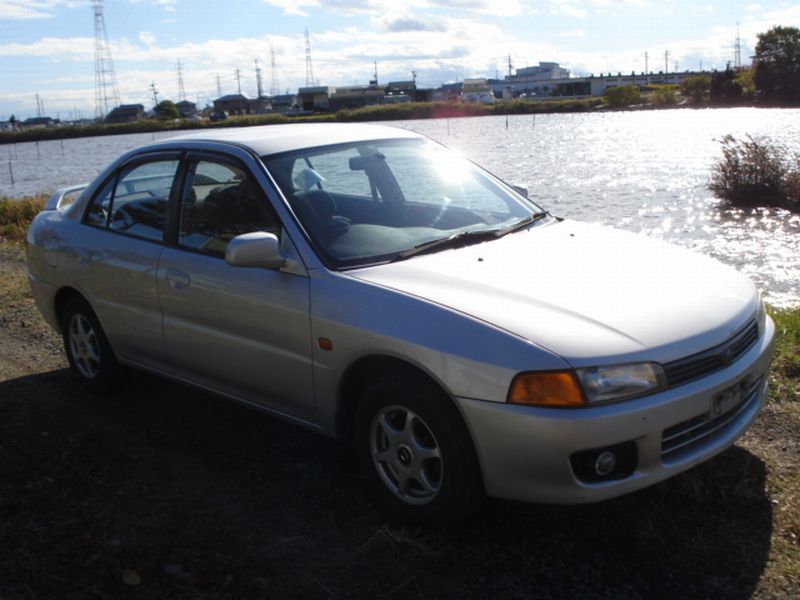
{"x":88,"y":351}
{"x":416,"y":452}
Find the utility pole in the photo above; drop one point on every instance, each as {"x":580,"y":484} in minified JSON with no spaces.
{"x":273,"y":88}
{"x":666,"y":62}
{"x":238,"y":75}
{"x":39,"y":106}
{"x":259,"y":85}
{"x":155,"y":93}
{"x":181,"y":89}
{"x":646,"y":65}
{"x":510,"y":66}
{"x":219,"y":87}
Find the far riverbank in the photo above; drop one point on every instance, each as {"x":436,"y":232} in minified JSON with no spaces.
{"x":384,"y":112}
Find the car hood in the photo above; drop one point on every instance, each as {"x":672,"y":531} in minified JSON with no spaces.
{"x":590,"y":294}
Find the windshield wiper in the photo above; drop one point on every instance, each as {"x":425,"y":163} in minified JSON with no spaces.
{"x":462,"y":238}
{"x":465,"y":238}
{"x":521,"y":224}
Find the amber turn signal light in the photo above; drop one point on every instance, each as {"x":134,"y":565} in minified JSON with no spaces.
{"x":556,"y":388}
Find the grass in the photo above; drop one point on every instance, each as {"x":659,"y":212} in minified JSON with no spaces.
{"x":16,"y":215}
{"x":786,"y":366}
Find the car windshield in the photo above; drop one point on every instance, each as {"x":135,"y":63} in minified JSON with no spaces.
{"x":378,"y":201}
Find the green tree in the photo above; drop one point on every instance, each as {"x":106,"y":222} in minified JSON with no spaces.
{"x":725,"y":89}
{"x":697,"y":89}
{"x":777,"y":76}
{"x":623,"y":95}
{"x":166,"y":110}
{"x":664,"y":95}
{"x":746,"y":78}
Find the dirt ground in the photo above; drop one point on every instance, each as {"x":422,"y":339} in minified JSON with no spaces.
{"x":163,"y":492}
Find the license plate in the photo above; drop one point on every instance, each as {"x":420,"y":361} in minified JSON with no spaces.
{"x":728,"y":399}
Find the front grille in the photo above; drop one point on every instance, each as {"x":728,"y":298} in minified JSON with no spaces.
{"x":687,"y":435}
{"x":716,"y":358}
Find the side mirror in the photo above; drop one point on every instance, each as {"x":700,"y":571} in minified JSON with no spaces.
{"x":520,"y":189}
{"x":256,"y":249}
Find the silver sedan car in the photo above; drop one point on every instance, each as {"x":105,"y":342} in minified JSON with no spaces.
{"x":367,"y":283}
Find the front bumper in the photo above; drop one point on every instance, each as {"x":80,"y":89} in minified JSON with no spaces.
{"x":525,"y":451}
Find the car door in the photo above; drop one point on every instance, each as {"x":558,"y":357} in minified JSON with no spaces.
{"x":240,"y":331}
{"x":117,"y":251}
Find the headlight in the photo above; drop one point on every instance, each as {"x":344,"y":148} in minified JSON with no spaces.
{"x":583,"y":387}
{"x":618,"y":382}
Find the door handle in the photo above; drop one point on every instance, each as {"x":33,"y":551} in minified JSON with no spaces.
{"x":178,"y":279}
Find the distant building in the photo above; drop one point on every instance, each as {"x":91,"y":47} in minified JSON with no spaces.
{"x":315,"y":98}
{"x":477,"y":90}
{"x":447,"y":92}
{"x":232,"y":104}
{"x":186,"y":109}
{"x":39,"y":123}
{"x":126,"y":113}
{"x":357,"y":96}
{"x":284,"y":102}
{"x":582,"y":87}
{"x":408,"y":89}
{"x":545,"y":70}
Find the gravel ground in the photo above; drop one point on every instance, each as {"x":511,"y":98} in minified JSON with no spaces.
{"x":163,"y":492}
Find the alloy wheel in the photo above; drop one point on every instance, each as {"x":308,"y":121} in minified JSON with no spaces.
{"x":406,"y":455}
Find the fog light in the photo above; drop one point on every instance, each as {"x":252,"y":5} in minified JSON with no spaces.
{"x":610,"y":463}
{"x":605,"y":463}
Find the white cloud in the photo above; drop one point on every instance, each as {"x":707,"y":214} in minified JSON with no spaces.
{"x":30,"y":9}
{"x":574,"y":33}
{"x":505,"y":8}
{"x":147,"y":38}
{"x":754,"y":8}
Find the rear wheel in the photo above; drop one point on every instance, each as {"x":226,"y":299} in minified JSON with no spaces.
{"x":88,"y":351}
{"x":415,"y":451}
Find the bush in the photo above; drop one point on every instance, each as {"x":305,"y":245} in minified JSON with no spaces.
{"x":16,"y":215}
{"x":697,"y":89}
{"x":624,"y":95}
{"x":664,"y":95}
{"x":756,"y":173}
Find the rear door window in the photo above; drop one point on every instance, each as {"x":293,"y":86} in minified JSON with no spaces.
{"x":135,"y":203}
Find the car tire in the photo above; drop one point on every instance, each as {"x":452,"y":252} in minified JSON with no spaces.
{"x":89,"y":354}
{"x":415,"y":451}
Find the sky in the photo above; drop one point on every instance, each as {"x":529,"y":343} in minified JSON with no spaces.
{"x":47,"y":47}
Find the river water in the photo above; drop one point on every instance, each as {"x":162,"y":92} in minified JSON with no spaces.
{"x":641,"y":171}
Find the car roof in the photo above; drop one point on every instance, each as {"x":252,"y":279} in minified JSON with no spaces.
{"x":274,"y":139}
